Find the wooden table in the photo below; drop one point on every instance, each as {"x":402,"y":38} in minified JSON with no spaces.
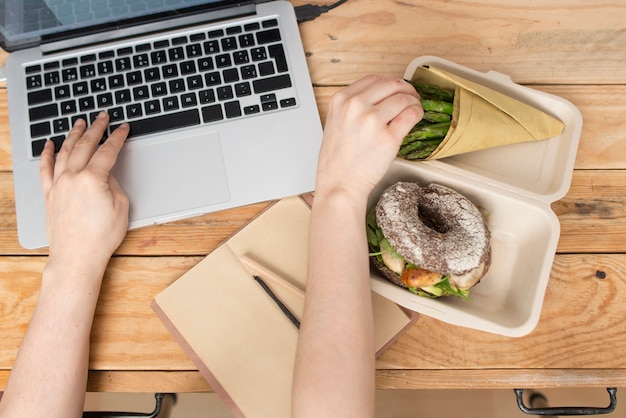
{"x":570,"y":48}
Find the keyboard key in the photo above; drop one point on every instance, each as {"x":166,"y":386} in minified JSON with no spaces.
{"x":246,"y":40}
{"x":37,"y":147}
{"x":289,"y":102}
{"x":162,"y":44}
{"x":222,"y":61}
{"x":158,"y":89}
{"x":266,"y":68}
{"x":230,"y":75}
{"x":194,"y":82}
{"x":258,"y":54}
{"x":52,"y":78}
{"x":158,"y":57}
{"x":34,"y":82}
{"x":68,"y":107}
{"x":229,"y":44}
{"x":232,"y":109}
{"x":181,"y":40}
{"x":234,"y":30}
{"x":170,"y":103}
{"x":105,"y":67}
{"x":212,"y":79}
{"x":40,"y":129}
{"x":211,"y":47}
{"x":270,"y":23}
{"x":207,"y":96}
{"x":62,"y":92}
{"x":69,"y":61}
{"x":250,"y":110}
{"x":134,"y":110}
{"x":69,"y":74}
{"x":188,"y":100}
{"x":116,"y":114}
{"x":271,"y":83}
{"x":152,"y":106}
{"x":122,"y":96}
{"x":251,"y":26}
{"x":218,"y":33}
{"x":225,"y":93}
{"x":205,"y":64}
{"x":243,"y":89}
{"x":33,"y":69}
{"x":104,"y":100}
{"x":80,"y":88}
{"x":152,"y":74}
{"x":134,"y":77}
{"x":99,"y":84}
{"x":86,"y":103}
{"x":51,"y":65}
{"x":141,"y":93}
{"x":88,"y":71}
{"x":116,"y":81}
{"x":212,"y":113}
{"x":125,"y":51}
{"x":39,"y":96}
{"x":268,"y":36}
{"x":193,"y":50}
{"x":122,"y":64}
{"x":170,"y":71}
{"x":177,"y":85}
{"x":143,"y":47}
{"x":187,"y":67}
{"x":248,"y":72}
{"x":43,"y":112}
{"x":197,"y":37}
{"x":241,"y":57}
{"x":278,"y":53}
{"x":176,"y":54}
{"x":88,"y":58}
{"x":164,"y":122}
{"x":61,"y":125}
{"x":141,"y":60}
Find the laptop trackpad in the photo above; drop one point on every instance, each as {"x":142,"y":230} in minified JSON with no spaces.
{"x":172,"y":178}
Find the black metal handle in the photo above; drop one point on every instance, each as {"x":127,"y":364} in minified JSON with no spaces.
{"x":567,"y":410}
{"x":154,"y":414}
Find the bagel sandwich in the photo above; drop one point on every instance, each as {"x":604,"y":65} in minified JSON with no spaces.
{"x":430,"y":240}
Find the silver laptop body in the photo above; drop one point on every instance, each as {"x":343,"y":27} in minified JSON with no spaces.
{"x":246,"y":125}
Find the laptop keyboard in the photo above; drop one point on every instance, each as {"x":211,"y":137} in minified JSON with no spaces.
{"x":170,"y":83}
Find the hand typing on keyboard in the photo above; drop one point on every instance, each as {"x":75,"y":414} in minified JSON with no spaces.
{"x":87,"y":210}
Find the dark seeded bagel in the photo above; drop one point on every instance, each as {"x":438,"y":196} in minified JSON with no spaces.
{"x":435,"y":228}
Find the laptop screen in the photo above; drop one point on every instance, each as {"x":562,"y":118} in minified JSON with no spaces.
{"x":25,"y":23}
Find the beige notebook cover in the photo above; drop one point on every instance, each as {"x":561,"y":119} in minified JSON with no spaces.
{"x":236,"y":335}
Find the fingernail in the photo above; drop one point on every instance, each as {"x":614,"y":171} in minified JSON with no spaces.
{"x":102,"y":115}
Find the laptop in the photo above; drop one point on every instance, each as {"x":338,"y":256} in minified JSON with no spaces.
{"x":217,"y":94}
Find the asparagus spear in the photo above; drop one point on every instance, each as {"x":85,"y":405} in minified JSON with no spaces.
{"x":435,"y":130}
{"x":437,"y":106}
{"x":419,"y":147}
{"x":436,"y":117}
{"x":434,"y":92}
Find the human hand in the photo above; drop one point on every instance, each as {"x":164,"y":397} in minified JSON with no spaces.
{"x":86,"y":209}
{"x":363,"y":132}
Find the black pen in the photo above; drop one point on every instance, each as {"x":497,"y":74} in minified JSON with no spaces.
{"x":278,"y":302}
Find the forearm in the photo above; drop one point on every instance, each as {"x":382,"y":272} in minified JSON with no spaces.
{"x":50,"y":373}
{"x":335,"y":366}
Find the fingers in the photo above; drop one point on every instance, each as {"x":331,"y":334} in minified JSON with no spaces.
{"x":104,"y":159}
{"x":46,"y":166}
{"x":83,"y":148}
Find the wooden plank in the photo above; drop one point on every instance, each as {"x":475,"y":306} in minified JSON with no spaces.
{"x":581,"y":323}
{"x":499,"y":378}
{"x":126,"y":334}
{"x":592,"y":220}
{"x":554,"y":42}
{"x":190,"y":381}
{"x":581,"y":327}
{"x":592,"y":214}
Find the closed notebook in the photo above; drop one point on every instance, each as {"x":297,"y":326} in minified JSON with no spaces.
{"x":235,"y":334}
